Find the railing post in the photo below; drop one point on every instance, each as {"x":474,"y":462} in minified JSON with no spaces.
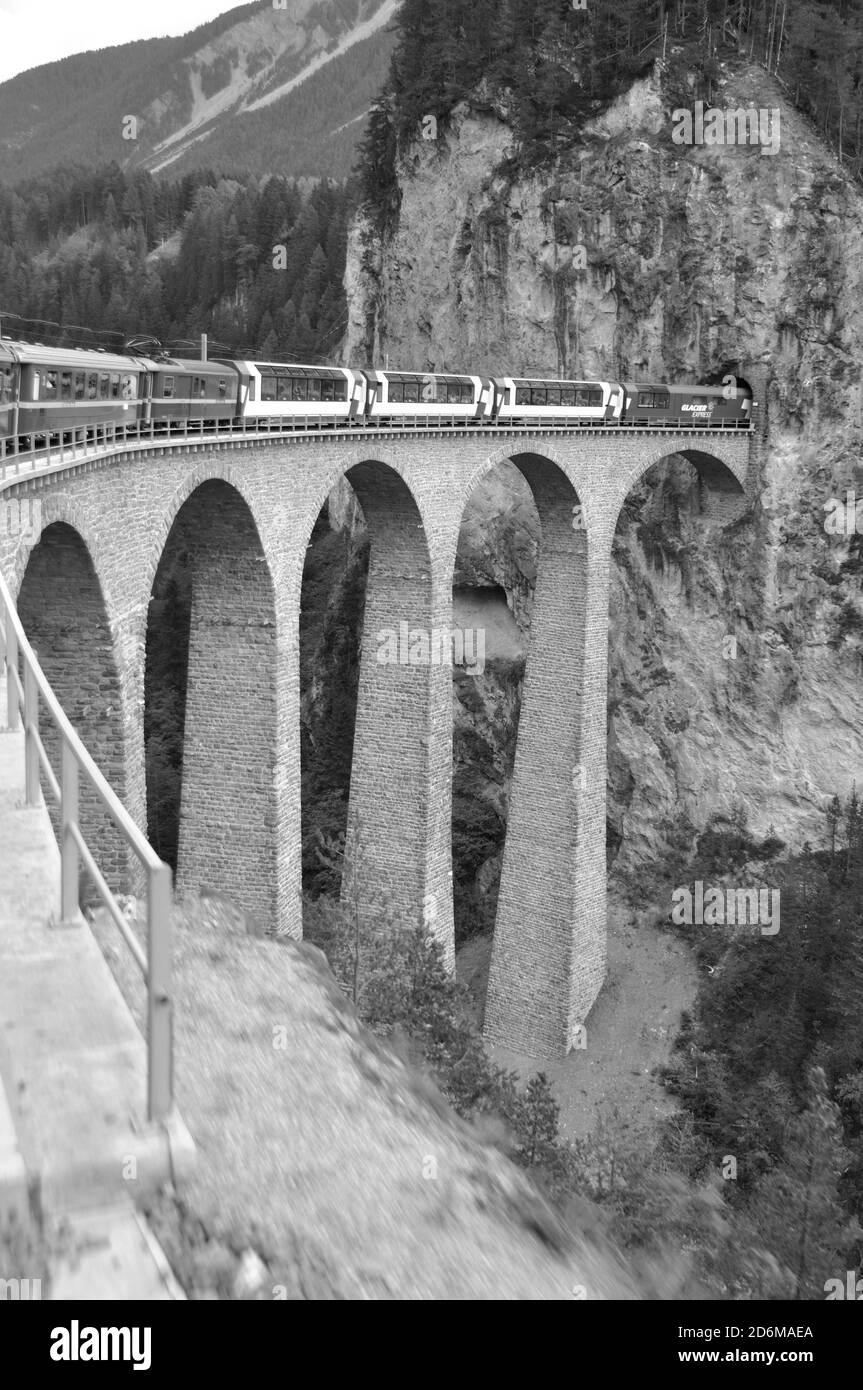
{"x":68,"y":849}
{"x":160,"y":1081}
{"x":31,"y":730}
{"x":11,"y":665}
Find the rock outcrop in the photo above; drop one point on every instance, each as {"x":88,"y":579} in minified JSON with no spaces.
{"x":698,"y":260}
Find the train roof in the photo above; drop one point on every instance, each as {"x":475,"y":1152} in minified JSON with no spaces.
{"x":392,"y":375}
{"x":193,"y":365}
{"x":696,"y":388}
{"x":75,"y":359}
{"x":295,"y":369}
{"x":553,"y":382}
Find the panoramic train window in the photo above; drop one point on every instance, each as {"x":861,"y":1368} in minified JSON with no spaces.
{"x":553,"y":396}
{"x":268,"y":388}
{"x":314,"y":389}
{"x":537,"y":395}
{"x":567,"y":395}
{"x":327,"y":390}
{"x":522,"y":395}
{"x":412,"y":392}
{"x":396,"y":393}
{"x":283,"y":388}
{"x":299,"y":390}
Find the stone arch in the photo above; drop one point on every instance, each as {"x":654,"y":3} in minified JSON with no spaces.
{"x":64,"y":613}
{"x":226,"y":685}
{"x":204,"y":473}
{"x":722,"y":477}
{"x":708,"y":481}
{"x":335,"y":473}
{"x":59,"y":508}
{"x":548,"y":955}
{"x":398,"y":836}
{"x":524,"y":447}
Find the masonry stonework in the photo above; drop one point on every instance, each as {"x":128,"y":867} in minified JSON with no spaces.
{"x":61,"y":608}
{"x":248,"y":509}
{"x":228,"y":815}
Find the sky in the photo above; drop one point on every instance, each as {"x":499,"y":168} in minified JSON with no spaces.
{"x":40,"y":31}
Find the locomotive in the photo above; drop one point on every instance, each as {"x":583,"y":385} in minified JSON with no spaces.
{"x":49,"y":392}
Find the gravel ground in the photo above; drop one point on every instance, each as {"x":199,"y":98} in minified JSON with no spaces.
{"x":327,"y":1168}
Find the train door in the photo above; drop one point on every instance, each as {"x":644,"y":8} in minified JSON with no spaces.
{"x":359,"y":397}
{"x":499,"y":390}
{"x":484,"y":399}
{"x":145,"y":397}
{"x":8,"y":400}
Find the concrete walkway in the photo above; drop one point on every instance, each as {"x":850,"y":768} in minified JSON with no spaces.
{"x":75,"y":1144}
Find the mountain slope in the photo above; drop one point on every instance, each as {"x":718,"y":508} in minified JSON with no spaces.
{"x":261,"y":89}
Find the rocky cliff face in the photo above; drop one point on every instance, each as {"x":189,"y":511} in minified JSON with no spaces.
{"x":697,"y":260}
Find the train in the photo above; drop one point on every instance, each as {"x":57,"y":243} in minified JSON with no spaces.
{"x":49,"y":392}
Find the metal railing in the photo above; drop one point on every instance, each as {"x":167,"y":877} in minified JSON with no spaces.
{"x":24,"y":700}
{"x":88,"y":441}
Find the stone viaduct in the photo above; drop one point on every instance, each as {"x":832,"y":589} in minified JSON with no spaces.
{"x":243,"y":510}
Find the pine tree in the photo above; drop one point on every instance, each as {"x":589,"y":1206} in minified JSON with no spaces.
{"x":834,"y":815}
{"x":110,"y":215}
{"x":537,"y":1117}
{"x":796,"y":1207}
